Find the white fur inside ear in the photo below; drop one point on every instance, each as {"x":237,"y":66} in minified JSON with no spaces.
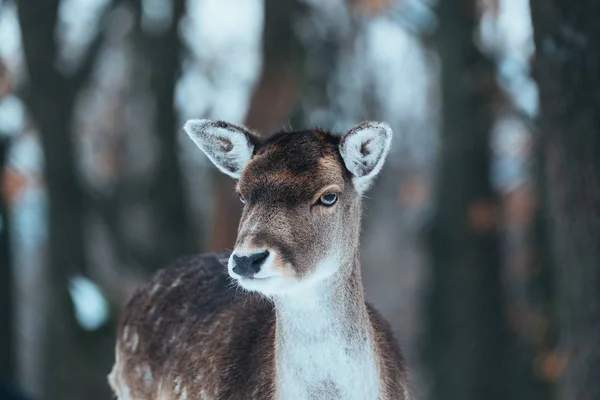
{"x":364,"y":149}
{"x":226,"y":145}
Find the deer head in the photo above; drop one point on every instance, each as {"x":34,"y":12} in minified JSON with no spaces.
{"x":302,"y":199}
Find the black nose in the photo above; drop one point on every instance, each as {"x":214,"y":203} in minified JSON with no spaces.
{"x":249,"y":265}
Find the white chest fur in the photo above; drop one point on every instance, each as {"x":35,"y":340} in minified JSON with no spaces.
{"x":325,"y":351}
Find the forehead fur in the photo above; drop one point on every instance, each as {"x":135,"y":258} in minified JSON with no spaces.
{"x":292,"y":166}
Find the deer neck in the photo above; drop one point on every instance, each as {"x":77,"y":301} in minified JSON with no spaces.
{"x":324,"y":340}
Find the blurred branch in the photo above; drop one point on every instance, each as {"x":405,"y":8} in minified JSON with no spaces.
{"x":107,"y":208}
{"x":40,"y":44}
{"x":159,"y":53}
{"x":83,"y":73}
{"x":37,"y":21}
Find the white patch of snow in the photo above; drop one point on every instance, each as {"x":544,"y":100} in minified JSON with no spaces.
{"x":10,"y":45}
{"x":91,"y":307}
{"x":12,"y":115}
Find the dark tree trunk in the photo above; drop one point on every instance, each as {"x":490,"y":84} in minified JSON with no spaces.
{"x":74,"y":360}
{"x":7,"y":344}
{"x":50,"y":100}
{"x":157,"y":56}
{"x":567,"y":70}
{"x":467,"y":350}
{"x":270,"y":105}
{"x":541,"y":293}
{"x":163,"y":52}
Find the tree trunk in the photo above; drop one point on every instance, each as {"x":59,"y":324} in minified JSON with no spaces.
{"x":467,"y":350}
{"x":7,"y":345}
{"x":75,"y":360}
{"x":50,"y":101}
{"x":270,"y":105}
{"x":175,"y":236}
{"x":567,"y":69}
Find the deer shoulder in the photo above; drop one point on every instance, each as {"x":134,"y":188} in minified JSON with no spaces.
{"x":187,"y":334}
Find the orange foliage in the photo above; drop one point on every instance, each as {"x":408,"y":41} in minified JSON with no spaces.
{"x":549,"y":365}
{"x":483,"y":215}
{"x":12,"y":184}
{"x":372,"y":6}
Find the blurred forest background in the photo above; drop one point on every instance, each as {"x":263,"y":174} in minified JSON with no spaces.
{"x":481,"y":241}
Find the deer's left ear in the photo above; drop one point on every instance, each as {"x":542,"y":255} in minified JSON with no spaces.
{"x":228,"y":146}
{"x":364,"y":149}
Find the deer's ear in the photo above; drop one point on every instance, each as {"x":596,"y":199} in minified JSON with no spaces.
{"x":229,"y":147}
{"x":364,"y":149}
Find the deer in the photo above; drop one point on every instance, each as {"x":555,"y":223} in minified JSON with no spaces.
{"x":283,"y":315}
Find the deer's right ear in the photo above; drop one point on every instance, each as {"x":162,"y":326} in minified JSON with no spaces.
{"x":228,"y":146}
{"x":364,"y":149}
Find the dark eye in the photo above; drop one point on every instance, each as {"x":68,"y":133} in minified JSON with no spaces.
{"x":328,"y":199}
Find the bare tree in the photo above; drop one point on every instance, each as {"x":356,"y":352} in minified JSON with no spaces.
{"x":467,"y":350}
{"x":77,"y":361}
{"x":567,"y":70}
{"x":50,"y":97}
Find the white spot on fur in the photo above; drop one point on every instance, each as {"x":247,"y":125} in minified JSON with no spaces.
{"x":116,"y":380}
{"x":133,"y":343}
{"x":227,"y":146}
{"x":176,"y":283}
{"x":406,"y":392}
{"x":126,"y":333}
{"x":147,"y":376}
{"x":177,"y":385}
{"x":199,"y":376}
{"x":364,"y":149}
{"x":154,"y":289}
{"x":253,"y":228}
{"x":184,"y":394}
{"x":125,"y":392}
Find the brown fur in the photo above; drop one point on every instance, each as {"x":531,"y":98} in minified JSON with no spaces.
{"x":191,"y":334}
{"x":192,"y":308}
{"x":278,"y":186}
